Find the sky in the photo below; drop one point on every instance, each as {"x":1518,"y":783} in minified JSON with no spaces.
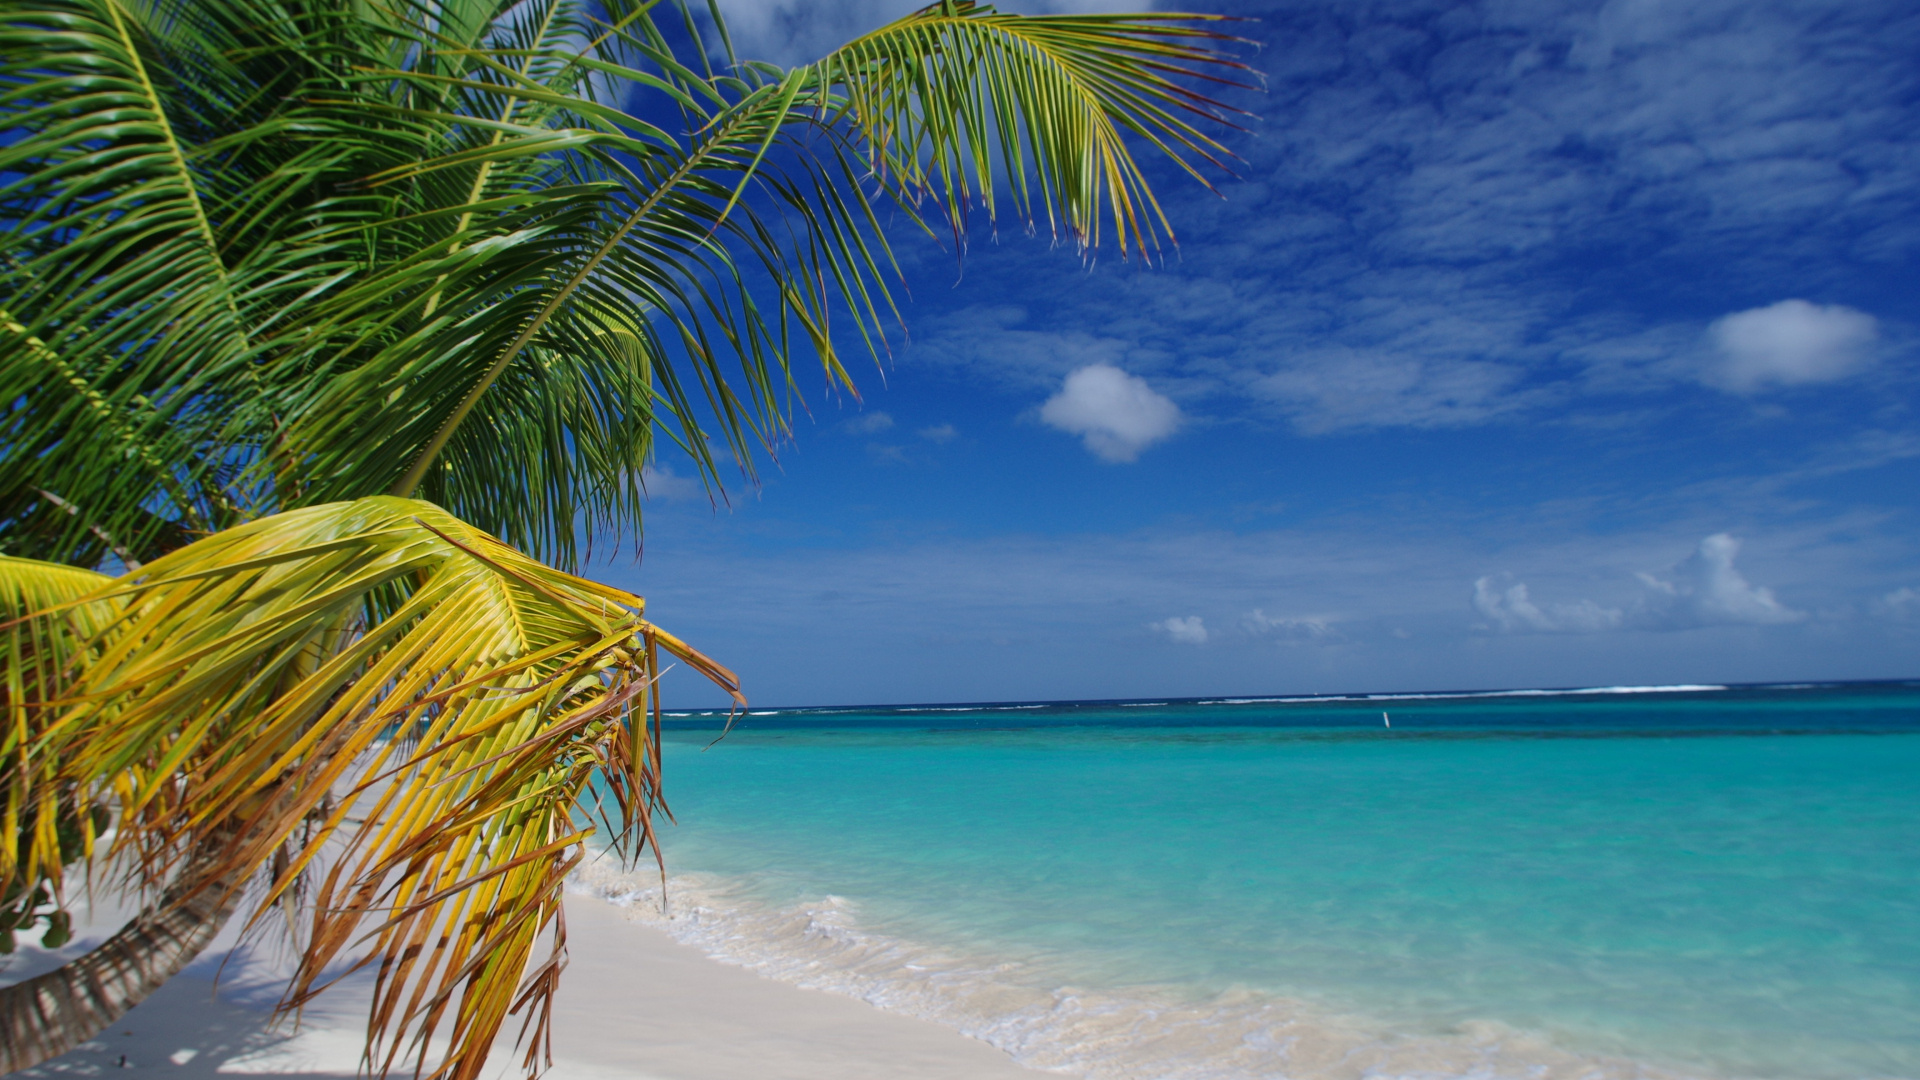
{"x":1533,"y":345}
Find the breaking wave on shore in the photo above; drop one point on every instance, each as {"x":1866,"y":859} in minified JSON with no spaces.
{"x":1101,"y":1033}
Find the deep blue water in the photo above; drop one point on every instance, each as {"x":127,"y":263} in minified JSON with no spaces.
{"x":1721,"y":882}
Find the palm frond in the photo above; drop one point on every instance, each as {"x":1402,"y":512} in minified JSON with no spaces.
{"x":380,"y":675}
{"x":45,"y":631}
{"x":958,"y":99}
{"x":283,"y":253}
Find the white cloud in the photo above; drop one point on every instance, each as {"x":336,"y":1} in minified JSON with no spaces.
{"x":1187,"y":631}
{"x":1902,"y":603}
{"x":1303,"y":628}
{"x":662,"y":482}
{"x":1116,"y":414}
{"x":920,"y":595}
{"x":1706,"y":590}
{"x":869,"y":423}
{"x":1001,"y":343}
{"x":1513,"y":611}
{"x":939,"y":433}
{"x":1791,"y":343}
{"x":1515,"y":235}
{"x":801,"y":31}
{"x":1329,"y":389}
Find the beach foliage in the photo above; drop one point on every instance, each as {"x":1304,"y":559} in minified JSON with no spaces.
{"x":428,"y":719}
{"x":305,"y":302}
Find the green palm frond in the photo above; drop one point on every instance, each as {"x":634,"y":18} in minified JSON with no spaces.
{"x":108,"y":246}
{"x":382,"y":676}
{"x":258,"y":254}
{"x":958,"y":100}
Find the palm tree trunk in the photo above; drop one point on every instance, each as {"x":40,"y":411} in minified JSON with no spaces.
{"x":50,"y":1014}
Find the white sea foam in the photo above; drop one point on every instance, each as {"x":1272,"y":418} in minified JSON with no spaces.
{"x":1133,"y":1033}
{"x":1464,"y":695}
{"x":968,"y":708}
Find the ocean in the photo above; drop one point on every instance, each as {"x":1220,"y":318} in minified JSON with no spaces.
{"x":1620,"y":882}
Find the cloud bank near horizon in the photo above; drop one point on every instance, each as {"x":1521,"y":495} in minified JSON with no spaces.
{"x":1291,"y":610}
{"x":1509,"y":307}
{"x":1704,"y":589}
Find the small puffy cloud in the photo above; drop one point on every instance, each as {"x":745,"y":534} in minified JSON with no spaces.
{"x":1707,"y":590}
{"x":1304,"y":628}
{"x":869,"y":423}
{"x":1902,"y":603}
{"x":1116,"y":414}
{"x":1187,"y":631}
{"x":1790,"y":343}
{"x":1511,"y":610}
{"x":939,"y":433}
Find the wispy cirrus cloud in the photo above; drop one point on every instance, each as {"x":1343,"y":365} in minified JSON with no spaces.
{"x":871,"y":423}
{"x":1476,"y":213}
{"x":1290,"y":629}
{"x":1902,"y":603}
{"x":801,"y":31}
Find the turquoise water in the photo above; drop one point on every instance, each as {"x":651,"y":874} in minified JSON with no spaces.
{"x":1721,"y":882}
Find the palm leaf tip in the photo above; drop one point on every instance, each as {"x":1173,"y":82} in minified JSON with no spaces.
{"x":957,"y":101}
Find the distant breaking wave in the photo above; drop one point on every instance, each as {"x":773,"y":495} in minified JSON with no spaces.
{"x":1442,"y":695}
{"x":1294,"y":699}
{"x":957,"y":708}
{"x":1136,"y":1033}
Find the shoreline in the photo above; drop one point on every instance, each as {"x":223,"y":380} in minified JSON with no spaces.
{"x":1045,"y":1023}
{"x":634,"y":1004}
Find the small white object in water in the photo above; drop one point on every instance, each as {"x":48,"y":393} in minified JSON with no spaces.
{"x":1383,"y":717}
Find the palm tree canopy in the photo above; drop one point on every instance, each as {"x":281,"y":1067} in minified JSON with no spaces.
{"x":262,"y":254}
{"x":270,"y":269}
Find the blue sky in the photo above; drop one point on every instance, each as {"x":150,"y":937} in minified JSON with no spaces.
{"x":1536,"y":344}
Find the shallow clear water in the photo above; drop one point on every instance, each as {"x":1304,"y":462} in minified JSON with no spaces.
{"x":1714,"y":883}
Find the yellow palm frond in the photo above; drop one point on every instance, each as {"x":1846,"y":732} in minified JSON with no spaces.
{"x":43,"y":636}
{"x":400,"y":708}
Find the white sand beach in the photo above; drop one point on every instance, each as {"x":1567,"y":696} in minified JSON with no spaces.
{"x":634,"y":1005}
